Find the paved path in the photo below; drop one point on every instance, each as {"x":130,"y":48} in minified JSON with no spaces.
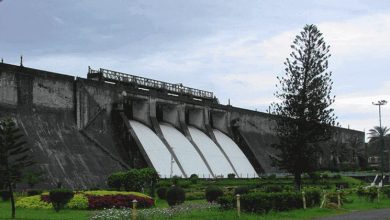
{"x":377,"y":214}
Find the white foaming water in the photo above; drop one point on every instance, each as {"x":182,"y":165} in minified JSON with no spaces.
{"x":186,"y":153}
{"x":240,"y":162}
{"x":155,"y":150}
{"x":217,"y":161}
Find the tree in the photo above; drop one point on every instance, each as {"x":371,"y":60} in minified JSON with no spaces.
{"x":305,"y":118}
{"x":377,"y":132}
{"x":14,"y":156}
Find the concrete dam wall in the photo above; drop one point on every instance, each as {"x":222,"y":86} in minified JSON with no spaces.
{"x":82,"y":130}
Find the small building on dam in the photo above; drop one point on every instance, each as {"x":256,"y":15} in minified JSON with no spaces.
{"x":82,"y":130}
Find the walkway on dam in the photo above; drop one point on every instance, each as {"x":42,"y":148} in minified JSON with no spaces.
{"x":377,"y":214}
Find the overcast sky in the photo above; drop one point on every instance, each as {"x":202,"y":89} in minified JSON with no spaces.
{"x":232,"y":48}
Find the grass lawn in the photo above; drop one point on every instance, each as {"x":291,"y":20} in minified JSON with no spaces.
{"x":42,"y":214}
{"x":357,"y":204}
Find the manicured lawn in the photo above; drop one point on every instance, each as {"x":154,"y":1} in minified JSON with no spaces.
{"x":42,"y":214}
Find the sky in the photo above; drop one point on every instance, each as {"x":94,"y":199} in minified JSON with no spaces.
{"x":232,"y":48}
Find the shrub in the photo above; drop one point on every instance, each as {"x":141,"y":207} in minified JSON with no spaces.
{"x":313,"y":197}
{"x":5,"y":195}
{"x":118,"y":201}
{"x":212,"y":193}
{"x":386,"y":191}
{"x":175,"y":180}
{"x":241,"y":190}
{"x":273,"y":188}
{"x":337,"y":176}
{"x":60,"y":197}
{"x":33,"y":202}
{"x":194,"y":178}
{"x":33,"y":192}
{"x":134,"y":180}
{"x":79,"y":201}
{"x":116,"y":180}
{"x":162,"y":192}
{"x":226,"y":202}
{"x":272,"y":176}
{"x":369,"y":193}
{"x":231,"y":176}
{"x":175,"y":195}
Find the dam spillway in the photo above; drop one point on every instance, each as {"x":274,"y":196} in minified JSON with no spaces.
{"x":217,"y":161}
{"x":156,"y":150}
{"x":189,"y":158}
{"x":240,"y":162}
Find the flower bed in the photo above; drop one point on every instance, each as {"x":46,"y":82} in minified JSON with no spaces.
{"x":91,"y":200}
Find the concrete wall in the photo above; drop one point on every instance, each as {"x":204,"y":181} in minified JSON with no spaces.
{"x":76,"y":136}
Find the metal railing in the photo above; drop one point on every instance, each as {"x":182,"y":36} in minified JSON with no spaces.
{"x":149,"y":83}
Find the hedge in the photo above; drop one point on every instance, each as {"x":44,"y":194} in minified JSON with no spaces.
{"x":262,"y":202}
{"x":90,"y":200}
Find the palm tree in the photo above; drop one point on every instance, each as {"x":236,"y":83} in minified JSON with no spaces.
{"x":377,"y":132}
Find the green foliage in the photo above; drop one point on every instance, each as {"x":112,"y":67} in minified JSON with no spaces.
{"x":134,"y":180}
{"x":212,"y":193}
{"x":162,"y":192}
{"x":195,"y":195}
{"x":175,"y":180}
{"x":194,"y":178}
{"x":79,"y":201}
{"x":175,"y":195}
{"x":241,"y":190}
{"x":60,"y":197}
{"x":116,"y":180}
{"x":273,"y":188}
{"x":305,"y":118}
{"x":227,"y":202}
{"x":14,"y":156}
{"x":33,"y":202}
{"x":369,"y":193}
{"x":386,"y":191}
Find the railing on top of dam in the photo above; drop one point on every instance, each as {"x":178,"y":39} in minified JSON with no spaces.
{"x":114,"y":76}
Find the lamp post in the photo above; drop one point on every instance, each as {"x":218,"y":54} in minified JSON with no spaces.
{"x":379,"y":104}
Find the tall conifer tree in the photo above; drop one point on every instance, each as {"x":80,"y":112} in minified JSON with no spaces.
{"x":305,"y":117}
{"x":14,"y":156}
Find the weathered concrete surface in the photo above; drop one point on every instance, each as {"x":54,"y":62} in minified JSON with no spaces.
{"x":78,"y":136}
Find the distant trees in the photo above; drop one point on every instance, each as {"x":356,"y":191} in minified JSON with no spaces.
{"x":305,"y":117}
{"x":377,"y":132}
{"x":14,"y":156}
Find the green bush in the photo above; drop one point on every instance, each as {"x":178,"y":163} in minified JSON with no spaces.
{"x":226,"y":202}
{"x":33,"y":202}
{"x":273,"y":188}
{"x":241,"y":190}
{"x":175,"y":195}
{"x":175,"y":180}
{"x":134,"y":180}
{"x":60,"y":197}
{"x":386,"y":191}
{"x":5,"y":195}
{"x":79,"y":201}
{"x":370,"y":193}
{"x":262,"y":202}
{"x":231,"y":176}
{"x":162,"y":192}
{"x":116,"y":180}
{"x":212,"y":193}
{"x":194,"y":178}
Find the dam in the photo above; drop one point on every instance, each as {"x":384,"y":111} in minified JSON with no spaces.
{"x":80,"y":130}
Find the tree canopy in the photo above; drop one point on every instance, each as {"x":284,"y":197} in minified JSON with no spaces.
{"x":304,"y":93}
